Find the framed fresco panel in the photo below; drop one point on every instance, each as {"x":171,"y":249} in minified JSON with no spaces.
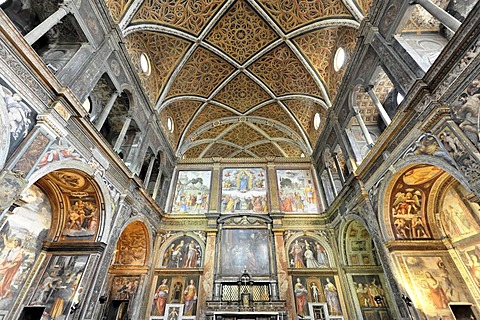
{"x":244,"y":190}
{"x":192,"y":191}
{"x":245,"y":249}
{"x":297,"y":191}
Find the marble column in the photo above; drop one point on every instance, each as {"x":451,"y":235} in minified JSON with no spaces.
{"x":441,"y":15}
{"x":339,"y":168}
{"x":121,"y":136}
{"x":331,"y":180}
{"x":364,"y":128}
{"x":49,"y":23}
{"x":381,"y":110}
{"x":106,"y":110}
{"x":285,"y":286}
{"x":149,"y":172}
{"x":206,"y":281}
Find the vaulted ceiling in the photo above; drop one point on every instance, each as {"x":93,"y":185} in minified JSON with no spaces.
{"x":240,"y":78}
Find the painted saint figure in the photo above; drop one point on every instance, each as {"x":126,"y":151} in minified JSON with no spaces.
{"x":10,"y":266}
{"x":161,"y":298}
{"x":297,"y":253}
{"x":191,"y":260}
{"x":437,"y":294}
{"x":331,"y":295}
{"x":300,"y":297}
{"x":190,"y":296}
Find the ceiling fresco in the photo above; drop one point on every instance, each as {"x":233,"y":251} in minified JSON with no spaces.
{"x":240,"y":78}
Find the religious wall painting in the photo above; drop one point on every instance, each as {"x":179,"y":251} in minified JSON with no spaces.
{"x":297,"y":191}
{"x":471,"y":258}
{"x":307,"y":252}
{"x":371,"y":296}
{"x":183,"y":252}
{"x":244,"y":190}
{"x":132,"y":245}
{"x":312,"y":291}
{"x":192,"y":193}
{"x":82,"y":221}
{"x":21,"y":117}
{"x":457,"y":213}
{"x":177,"y":291}
{"x":408,"y":202}
{"x":245,"y":249}
{"x":434,"y":283}
{"x":124,"y":287}
{"x":59,"y":287}
{"x":59,"y":150}
{"x":21,"y":237}
{"x":30,"y":157}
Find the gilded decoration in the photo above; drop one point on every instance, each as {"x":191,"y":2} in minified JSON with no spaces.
{"x":275,"y":112}
{"x":164,"y":52}
{"x":209,"y":113}
{"x":182,"y":112}
{"x":290,"y":149}
{"x":265,"y":150}
{"x":365,"y":5}
{"x":190,"y":15}
{"x":194,"y":152}
{"x":271,"y":131}
{"x":304,"y":110}
{"x":132,"y":245}
{"x":241,"y":93}
{"x":242,"y":135}
{"x":117,"y":8}
{"x":359,"y":246}
{"x":320,"y":47}
{"x":220,"y":150}
{"x":293,"y":14}
{"x":211,"y":133}
{"x":284,"y":74}
{"x":241,"y":32}
{"x":201,"y":74}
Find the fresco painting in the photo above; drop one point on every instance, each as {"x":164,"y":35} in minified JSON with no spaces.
{"x":124,"y":288}
{"x":244,"y":191}
{"x":21,"y":116}
{"x":297,"y":191}
{"x":178,"y":292}
{"x":314,"y":290}
{"x":192,"y":192}
{"x":183,"y":252}
{"x":59,"y":288}
{"x":435,"y":282}
{"x":245,"y":249}
{"x":307,"y":252}
{"x":456,"y":215}
{"x":371,"y":297}
{"x":21,"y":237}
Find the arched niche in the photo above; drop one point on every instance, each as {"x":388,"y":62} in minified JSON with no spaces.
{"x":184,"y":250}
{"x":308,"y":251}
{"x":132,"y":246}
{"x":437,"y":271}
{"x":358,"y":245}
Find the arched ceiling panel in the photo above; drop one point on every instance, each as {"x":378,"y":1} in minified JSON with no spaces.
{"x":189,"y":15}
{"x":117,"y":8}
{"x":284,"y":74}
{"x":242,"y":135}
{"x":200,"y":75}
{"x":220,"y":150}
{"x":195,"y":151}
{"x":266,"y":150}
{"x":365,"y":5}
{"x":242,"y":93}
{"x":320,"y":47}
{"x":210,"y":112}
{"x":181,"y":112}
{"x":164,"y":52}
{"x":290,"y":149}
{"x":271,"y":131}
{"x":291,"y":15}
{"x":212,"y":132}
{"x":241,"y":32}
{"x":275,"y":112}
{"x":304,"y":110}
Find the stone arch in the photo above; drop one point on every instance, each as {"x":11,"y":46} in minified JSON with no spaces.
{"x":179,"y":242}
{"x":357,"y":246}
{"x":104,"y":193}
{"x":313,"y":239}
{"x":395,"y":173}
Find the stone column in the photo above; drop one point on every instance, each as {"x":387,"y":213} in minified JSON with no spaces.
{"x":381,"y":110}
{"x":441,"y":15}
{"x":106,"y":110}
{"x":121,"y":136}
{"x":206,"y":281}
{"x":149,"y":172}
{"x":364,"y":129}
{"x":157,"y":183}
{"x":339,"y":168}
{"x":330,"y":179}
{"x":284,"y":282}
{"x":49,"y":23}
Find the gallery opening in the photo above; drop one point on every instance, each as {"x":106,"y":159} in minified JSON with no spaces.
{"x":239,"y":160}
